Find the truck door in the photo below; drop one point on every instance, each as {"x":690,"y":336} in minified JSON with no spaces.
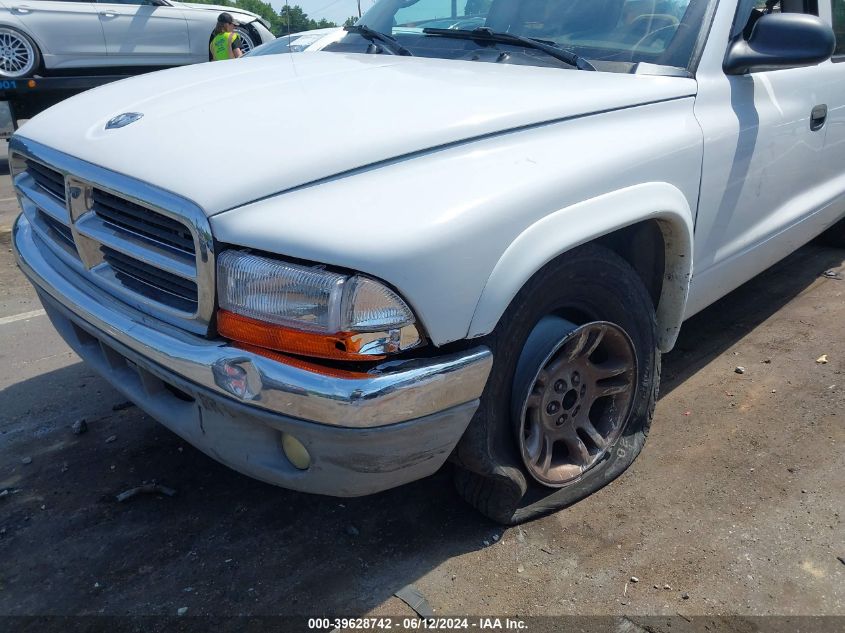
{"x":144,"y":32}
{"x":761,"y":148}
{"x":62,"y":29}
{"x":834,"y":154}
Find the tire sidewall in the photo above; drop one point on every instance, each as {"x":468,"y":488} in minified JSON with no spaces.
{"x":590,"y":283}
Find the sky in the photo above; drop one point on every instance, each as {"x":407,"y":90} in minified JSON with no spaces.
{"x":334,"y":10}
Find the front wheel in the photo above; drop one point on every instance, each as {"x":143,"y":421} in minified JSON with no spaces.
{"x":248,"y":39}
{"x":19,"y":55}
{"x":572,"y":391}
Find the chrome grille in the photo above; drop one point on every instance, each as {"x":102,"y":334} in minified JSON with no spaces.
{"x":48,"y":179}
{"x":61,"y":232}
{"x":139,"y":220}
{"x":152,"y":282}
{"x":148,"y":247}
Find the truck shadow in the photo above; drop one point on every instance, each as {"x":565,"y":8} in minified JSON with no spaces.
{"x":717,"y":328}
{"x":228,"y":545}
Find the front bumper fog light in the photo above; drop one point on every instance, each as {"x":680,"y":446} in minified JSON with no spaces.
{"x":296,"y":452}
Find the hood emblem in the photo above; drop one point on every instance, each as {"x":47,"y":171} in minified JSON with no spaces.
{"x":122,"y":120}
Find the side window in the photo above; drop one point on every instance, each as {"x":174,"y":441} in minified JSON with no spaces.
{"x":839,"y":26}
{"x":758,"y":8}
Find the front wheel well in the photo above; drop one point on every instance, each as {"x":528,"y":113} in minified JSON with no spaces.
{"x":643,"y":246}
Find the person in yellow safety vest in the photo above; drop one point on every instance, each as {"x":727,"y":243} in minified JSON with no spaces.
{"x":224,"y":43}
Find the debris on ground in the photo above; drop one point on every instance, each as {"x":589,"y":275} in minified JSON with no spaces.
{"x":26,"y":460}
{"x":4,"y":493}
{"x":149,"y":489}
{"x":667,"y":587}
{"x":181,"y":610}
{"x":547,"y":550}
{"x":351,"y":530}
{"x":841,"y":559}
{"x":486,"y":543}
{"x":634,"y":579}
{"x":110,"y":439}
{"x":79,"y":427}
{"x":822,"y":360}
{"x":495,"y":538}
{"x":832,"y":274}
{"x":684,"y":596}
{"x":739,"y":370}
{"x":520,"y":569}
{"x":120,"y":406}
{"x":413,"y":597}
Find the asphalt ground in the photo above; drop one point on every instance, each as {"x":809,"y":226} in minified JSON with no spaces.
{"x":735,"y":506}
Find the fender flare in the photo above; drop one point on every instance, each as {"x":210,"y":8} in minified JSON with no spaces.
{"x":586,"y":221}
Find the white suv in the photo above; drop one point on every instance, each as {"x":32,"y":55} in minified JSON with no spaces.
{"x":48,"y":35}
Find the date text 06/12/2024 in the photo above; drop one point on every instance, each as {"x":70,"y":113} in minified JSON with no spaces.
{"x":417,"y":624}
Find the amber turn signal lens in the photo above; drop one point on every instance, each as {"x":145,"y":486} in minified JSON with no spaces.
{"x":314,"y":368}
{"x":340,"y":346}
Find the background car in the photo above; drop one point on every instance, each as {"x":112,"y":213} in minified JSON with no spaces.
{"x":314,"y":40}
{"x":44,"y":36}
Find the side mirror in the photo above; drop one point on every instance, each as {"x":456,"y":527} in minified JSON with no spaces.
{"x":781,"y":40}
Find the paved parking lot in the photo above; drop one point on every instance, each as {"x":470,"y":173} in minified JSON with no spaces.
{"x":735,"y":506}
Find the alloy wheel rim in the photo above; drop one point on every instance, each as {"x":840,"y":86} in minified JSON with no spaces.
{"x":16,"y":54}
{"x":578,"y":403}
{"x":246,"y":41}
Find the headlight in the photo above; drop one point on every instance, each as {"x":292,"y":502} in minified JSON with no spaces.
{"x":310,"y":311}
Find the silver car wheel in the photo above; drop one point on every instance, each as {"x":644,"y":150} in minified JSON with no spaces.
{"x":247,"y":43}
{"x":579,"y":398}
{"x":17,"y":54}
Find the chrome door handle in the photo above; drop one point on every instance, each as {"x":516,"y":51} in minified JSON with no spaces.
{"x":22,"y":10}
{"x":108,"y":14}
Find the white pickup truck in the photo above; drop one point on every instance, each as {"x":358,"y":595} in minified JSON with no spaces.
{"x":468,"y":231}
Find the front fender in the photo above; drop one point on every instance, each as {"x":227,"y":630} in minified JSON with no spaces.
{"x":580,"y":223}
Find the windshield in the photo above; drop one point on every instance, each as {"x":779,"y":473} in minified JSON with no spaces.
{"x":615,"y":35}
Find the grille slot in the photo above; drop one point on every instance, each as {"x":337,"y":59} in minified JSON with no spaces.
{"x":143,"y":222}
{"x":152,"y":282}
{"x":58,"y":229}
{"x":48,"y":179}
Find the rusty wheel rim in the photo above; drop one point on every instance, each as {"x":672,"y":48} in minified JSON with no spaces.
{"x":578,"y":403}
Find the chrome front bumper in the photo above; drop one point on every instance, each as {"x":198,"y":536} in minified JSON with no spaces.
{"x":415,"y":410}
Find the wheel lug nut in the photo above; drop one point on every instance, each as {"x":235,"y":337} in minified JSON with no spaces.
{"x":583,"y":390}
{"x":576,"y":379}
{"x":560,"y":386}
{"x":553,"y":408}
{"x":577,"y":409}
{"x":561,"y":420}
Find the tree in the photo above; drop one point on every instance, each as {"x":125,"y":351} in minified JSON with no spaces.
{"x":351,"y":20}
{"x":264,"y":10}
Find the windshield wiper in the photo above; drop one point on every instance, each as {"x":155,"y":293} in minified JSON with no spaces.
{"x":377,"y":36}
{"x":484,"y":34}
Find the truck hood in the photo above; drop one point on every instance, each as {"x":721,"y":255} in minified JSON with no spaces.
{"x":226,"y":133}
